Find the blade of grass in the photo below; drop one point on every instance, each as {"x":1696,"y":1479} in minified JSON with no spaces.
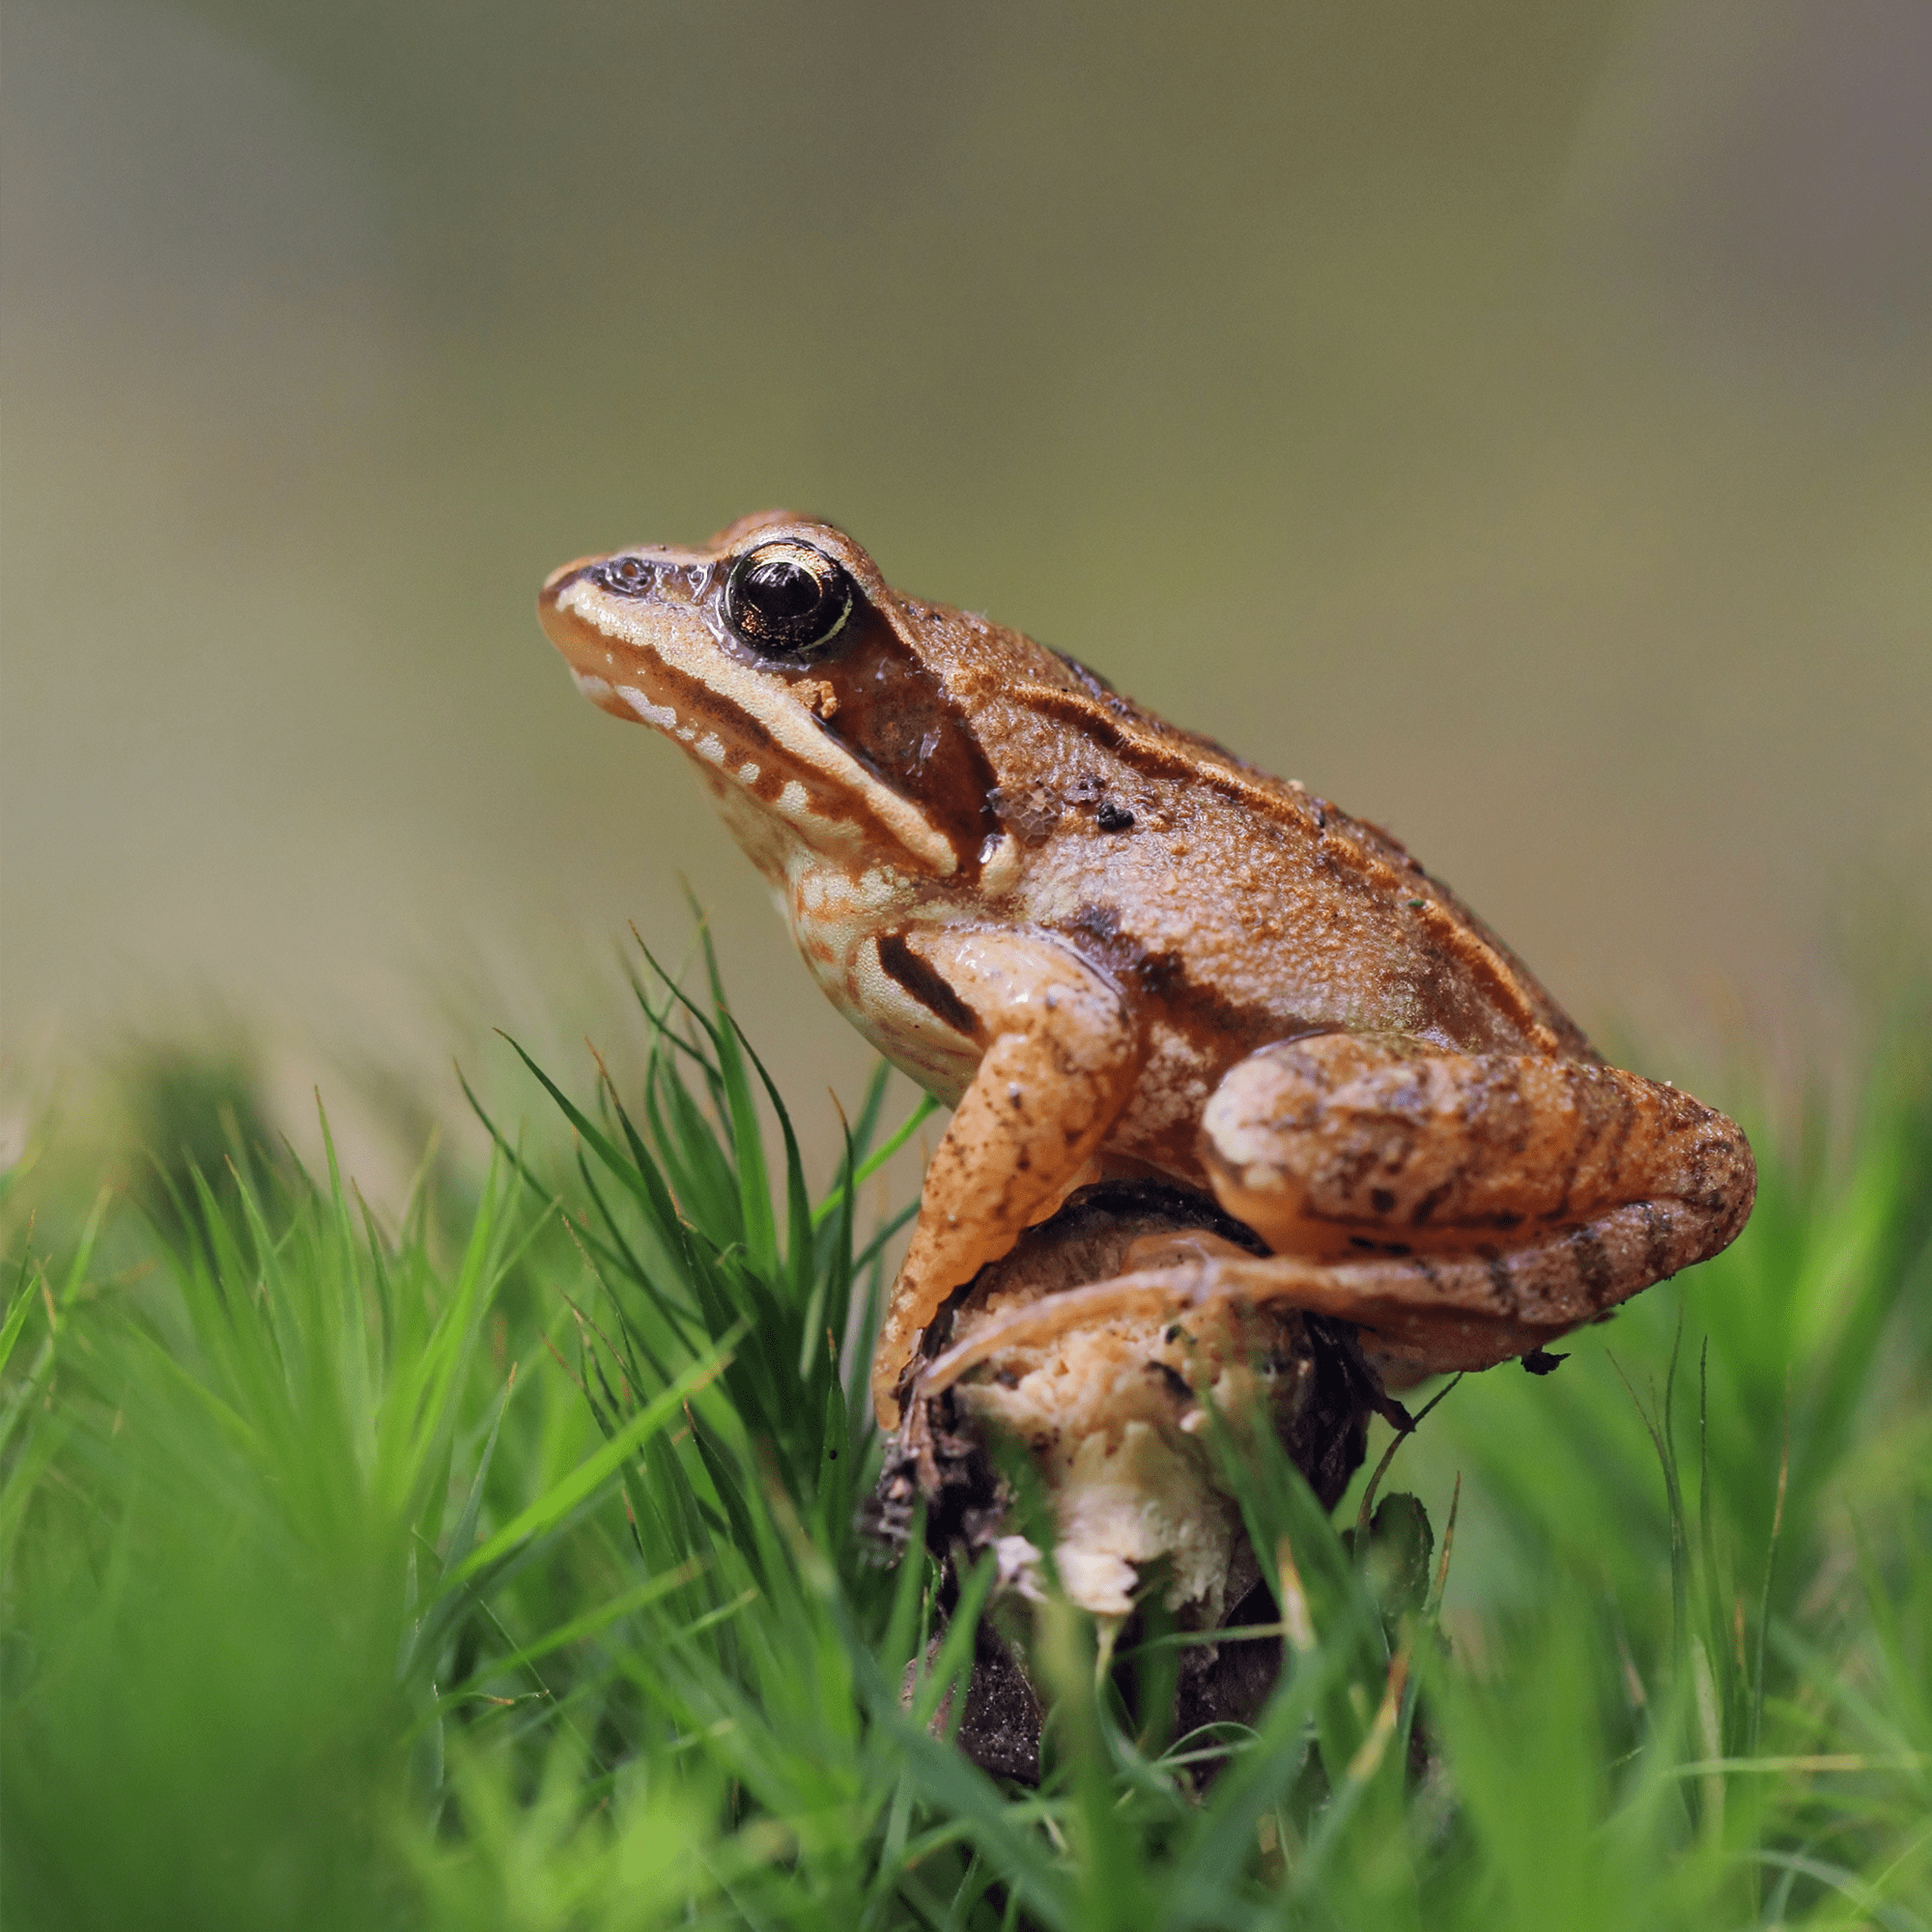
{"x":568,"y":1492}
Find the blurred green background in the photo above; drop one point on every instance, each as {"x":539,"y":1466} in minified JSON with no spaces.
{"x":1509,"y":418}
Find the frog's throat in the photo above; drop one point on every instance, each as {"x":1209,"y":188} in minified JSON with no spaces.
{"x":743,"y":724}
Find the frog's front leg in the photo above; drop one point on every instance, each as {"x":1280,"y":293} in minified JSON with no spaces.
{"x":1058,"y":1053}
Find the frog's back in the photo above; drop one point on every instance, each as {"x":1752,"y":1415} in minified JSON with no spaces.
{"x":1243,"y":906}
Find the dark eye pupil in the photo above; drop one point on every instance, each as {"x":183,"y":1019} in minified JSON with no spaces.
{"x":781,"y":591}
{"x":785,"y":597}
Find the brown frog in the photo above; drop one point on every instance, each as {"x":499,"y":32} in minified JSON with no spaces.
{"x":1115,"y":949}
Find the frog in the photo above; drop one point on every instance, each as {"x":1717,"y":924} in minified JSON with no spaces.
{"x":1115,"y":949}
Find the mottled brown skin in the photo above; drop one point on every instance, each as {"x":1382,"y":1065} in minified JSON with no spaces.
{"x":1112,"y":947}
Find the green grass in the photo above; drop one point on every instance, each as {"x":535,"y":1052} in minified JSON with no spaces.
{"x":499,"y":1568}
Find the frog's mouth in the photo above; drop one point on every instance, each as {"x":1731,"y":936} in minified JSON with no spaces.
{"x":662,"y":659}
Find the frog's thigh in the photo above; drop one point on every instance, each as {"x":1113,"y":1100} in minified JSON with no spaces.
{"x":1340,"y":1145}
{"x":1056,"y":1066}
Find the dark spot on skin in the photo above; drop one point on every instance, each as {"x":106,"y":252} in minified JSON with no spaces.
{"x":1697,"y":1175}
{"x":1112,"y":817}
{"x":1427,"y":1204}
{"x":1382,"y":1201}
{"x":1541,"y":1362}
{"x":908,"y":971}
{"x":1657,"y":1236}
{"x":1101,"y":924}
{"x":1627,"y":1113}
{"x":1177,"y":1385}
{"x":1593,"y":1263}
{"x":1234,"y":1028}
{"x":1500,"y":1281}
{"x":1163,"y":975}
{"x":1590,"y":1130}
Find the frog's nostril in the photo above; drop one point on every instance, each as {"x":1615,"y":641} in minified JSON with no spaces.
{"x":626,"y":575}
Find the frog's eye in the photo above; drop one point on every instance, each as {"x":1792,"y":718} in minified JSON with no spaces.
{"x":786,"y":598}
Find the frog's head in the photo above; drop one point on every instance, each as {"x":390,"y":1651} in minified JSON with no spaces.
{"x":811,"y":697}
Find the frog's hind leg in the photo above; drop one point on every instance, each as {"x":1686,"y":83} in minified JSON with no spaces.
{"x":1459,"y":1209}
{"x":1415,"y":1315}
{"x":1339,"y":1145}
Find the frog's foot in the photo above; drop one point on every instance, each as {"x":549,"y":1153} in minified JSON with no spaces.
{"x":1341,"y":1147}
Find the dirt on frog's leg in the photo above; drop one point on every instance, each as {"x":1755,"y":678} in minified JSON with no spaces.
{"x":1058,"y":1064}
